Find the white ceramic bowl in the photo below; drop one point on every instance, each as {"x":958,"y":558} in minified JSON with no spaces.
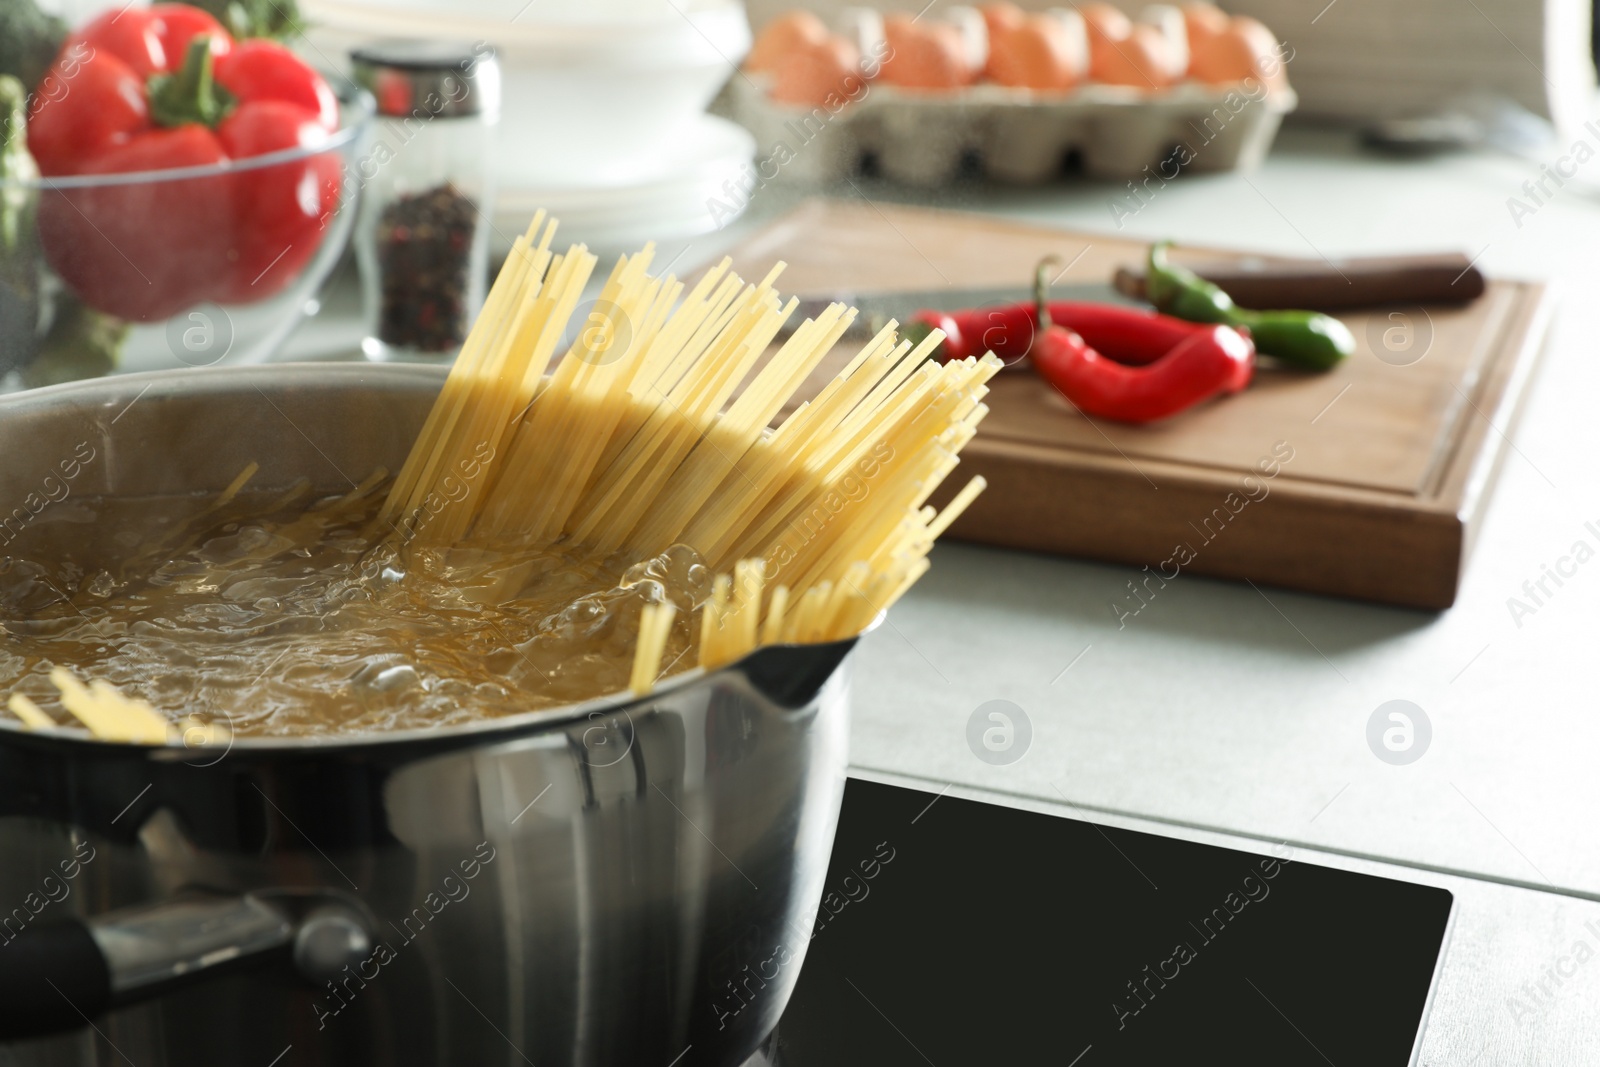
{"x":593,"y":92}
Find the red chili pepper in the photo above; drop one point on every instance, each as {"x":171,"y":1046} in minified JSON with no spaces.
{"x":1129,"y":335}
{"x":1007,"y":331}
{"x":167,"y":87}
{"x":1205,"y":361}
{"x":1135,"y":336}
{"x":1204,"y":366}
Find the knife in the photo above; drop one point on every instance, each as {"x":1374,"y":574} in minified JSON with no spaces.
{"x":1253,"y":282}
{"x":1332,"y":285}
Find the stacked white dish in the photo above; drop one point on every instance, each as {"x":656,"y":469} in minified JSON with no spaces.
{"x":688,"y":196}
{"x":604,"y":117}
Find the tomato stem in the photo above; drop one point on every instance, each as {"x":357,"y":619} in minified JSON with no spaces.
{"x":191,"y":94}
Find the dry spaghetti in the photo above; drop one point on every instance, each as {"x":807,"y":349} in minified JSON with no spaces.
{"x":636,"y":442}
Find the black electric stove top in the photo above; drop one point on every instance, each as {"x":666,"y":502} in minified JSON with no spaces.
{"x":955,"y":932}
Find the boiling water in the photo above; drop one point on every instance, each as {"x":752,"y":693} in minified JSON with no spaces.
{"x":276,"y":619}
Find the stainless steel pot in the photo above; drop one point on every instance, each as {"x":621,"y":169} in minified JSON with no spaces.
{"x":620,"y":882}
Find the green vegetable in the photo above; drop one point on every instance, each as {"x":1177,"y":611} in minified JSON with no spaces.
{"x":29,"y":41}
{"x":82,"y":343}
{"x":1306,"y":339}
{"x":278,"y":19}
{"x":21,"y":265}
{"x":1183,"y":294}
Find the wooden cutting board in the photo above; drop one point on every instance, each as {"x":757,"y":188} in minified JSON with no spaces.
{"x":1380,"y":470}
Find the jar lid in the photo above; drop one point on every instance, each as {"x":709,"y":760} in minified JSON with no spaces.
{"x":429,"y":79}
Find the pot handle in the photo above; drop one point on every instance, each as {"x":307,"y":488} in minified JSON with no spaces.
{"x":52,"y":979}
{"x":57,"y":977}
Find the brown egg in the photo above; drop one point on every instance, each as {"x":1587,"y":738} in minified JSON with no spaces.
{"x":1140,"y":60}
{"x":783,"y":34}
{"x":924,"y":55}
{"x":1247,"y":49}
{"x":811,"y":73}
{"x":1271,"y":55}
{"x":1037,"y":54}
{"x":1105,"y":23}
{"x":1203,"y":21}
{"x":1174,"y":32}
{"x":1002,"y":16}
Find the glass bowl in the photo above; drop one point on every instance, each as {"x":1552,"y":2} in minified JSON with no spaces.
{"x":186,"y":267}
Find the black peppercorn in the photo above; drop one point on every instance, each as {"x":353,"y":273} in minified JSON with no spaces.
{"x":424,"y":245}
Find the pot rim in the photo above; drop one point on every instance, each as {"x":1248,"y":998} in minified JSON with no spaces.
{"x":206,"y":378}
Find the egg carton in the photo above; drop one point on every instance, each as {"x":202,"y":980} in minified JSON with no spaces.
{"x":1018,"y":135}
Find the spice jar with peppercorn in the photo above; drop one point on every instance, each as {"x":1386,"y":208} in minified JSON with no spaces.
{"x":422,"y":243}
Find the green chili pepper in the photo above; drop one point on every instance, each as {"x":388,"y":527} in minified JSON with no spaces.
{"x":1307,"y":339}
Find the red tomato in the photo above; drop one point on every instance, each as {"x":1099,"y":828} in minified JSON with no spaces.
{"x":265,"y":70}
{"x":144,"y":250}
{"x":60,"y":136}
{"x":291,"y":203}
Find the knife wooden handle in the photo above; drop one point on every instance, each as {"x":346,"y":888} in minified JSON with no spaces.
{"x":1340,"y":285}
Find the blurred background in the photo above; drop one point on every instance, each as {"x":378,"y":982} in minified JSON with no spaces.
{"x":694,"y":122}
